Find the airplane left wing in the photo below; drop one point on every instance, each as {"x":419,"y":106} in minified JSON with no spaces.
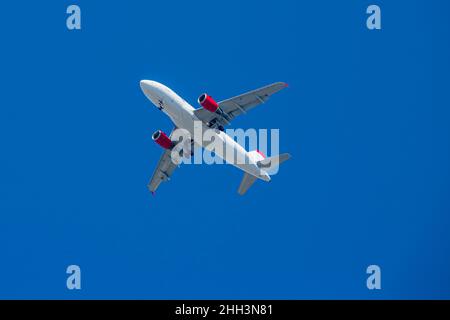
{"x":231,"y":108}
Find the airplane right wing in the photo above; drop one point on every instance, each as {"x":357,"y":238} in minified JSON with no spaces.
{"x":166,"y":165}
{"x":163,"y":171}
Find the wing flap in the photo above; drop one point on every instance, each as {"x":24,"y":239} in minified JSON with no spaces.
{"x":205,"y":116}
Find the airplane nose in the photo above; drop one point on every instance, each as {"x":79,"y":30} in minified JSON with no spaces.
{"x":153,"y":90}
{"x":150,"y":87}
{"x":145,"y":84}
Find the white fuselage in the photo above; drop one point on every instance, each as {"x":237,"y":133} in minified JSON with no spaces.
{"x":182,"y":115}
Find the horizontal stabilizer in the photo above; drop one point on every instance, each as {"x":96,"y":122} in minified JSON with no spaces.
{"x":246,"y":183}
{"x":268,"y":165}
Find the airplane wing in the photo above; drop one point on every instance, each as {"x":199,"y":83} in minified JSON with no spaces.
{"x":163,"y":170}
{"x":235,"y":106}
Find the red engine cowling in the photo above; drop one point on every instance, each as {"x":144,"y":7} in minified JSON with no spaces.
{"x":162,"y":139}
{"x":208,"y":103}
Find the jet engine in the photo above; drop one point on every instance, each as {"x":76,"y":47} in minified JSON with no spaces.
{"x":162,"y":139}
{"x":208,"y":103}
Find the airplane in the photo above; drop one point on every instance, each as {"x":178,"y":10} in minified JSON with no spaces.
{"x":211,"y":115}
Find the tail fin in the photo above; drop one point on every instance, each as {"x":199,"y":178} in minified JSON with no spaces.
{"x":270,"y":165}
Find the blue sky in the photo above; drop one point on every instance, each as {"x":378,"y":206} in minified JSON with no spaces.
{"x":365,"y":118}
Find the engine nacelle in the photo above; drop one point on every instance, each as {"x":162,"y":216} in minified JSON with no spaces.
{"x":208,"y":103}
{"x":162,"y":139}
